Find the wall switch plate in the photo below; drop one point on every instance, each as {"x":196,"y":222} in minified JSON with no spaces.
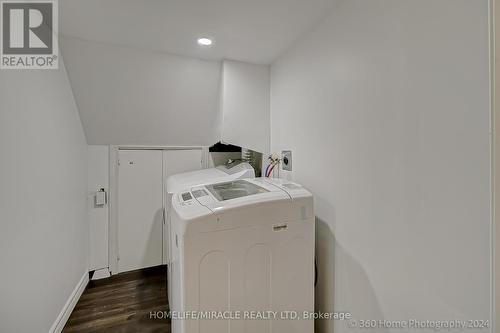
{"x":100,"y":198}
{"x":286,"y":160}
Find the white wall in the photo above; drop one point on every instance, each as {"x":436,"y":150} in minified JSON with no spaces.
{"x":385,"y":106}
{"x":133,"y":96}
{"x":245,"y":105}
{"x":43,"y":226}
{"x":97,"y":178}
{"x":497,"y":162}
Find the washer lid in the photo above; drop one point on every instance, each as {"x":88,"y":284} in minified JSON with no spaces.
{"x":234,"y":189}
{"x":237,"y":193}
{"x":186,"y":180}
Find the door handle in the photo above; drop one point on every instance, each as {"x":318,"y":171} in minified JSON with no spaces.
{"x":280,"y":227}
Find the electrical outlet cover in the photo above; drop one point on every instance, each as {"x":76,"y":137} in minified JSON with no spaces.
{"x":286,"y":160}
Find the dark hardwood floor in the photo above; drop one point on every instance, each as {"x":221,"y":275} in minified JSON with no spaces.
{"x":122,"y":303}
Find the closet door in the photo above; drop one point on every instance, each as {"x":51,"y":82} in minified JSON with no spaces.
{"x":181,"y":160}
{"x":140,"y":209}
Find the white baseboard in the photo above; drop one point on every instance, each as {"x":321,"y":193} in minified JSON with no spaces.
{"x":101,"y":274}
{"x":61,"y":320}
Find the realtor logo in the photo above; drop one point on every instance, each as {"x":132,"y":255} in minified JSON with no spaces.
{"x":29,"y":35}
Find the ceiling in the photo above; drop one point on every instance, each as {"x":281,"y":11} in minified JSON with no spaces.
{"x":255,"y":31}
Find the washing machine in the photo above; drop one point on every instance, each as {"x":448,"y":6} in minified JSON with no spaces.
{"x":243,"y":248}
{"x":178,"y":182}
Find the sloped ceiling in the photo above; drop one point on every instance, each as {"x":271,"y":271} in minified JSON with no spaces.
{"x":138,"y":75}
{"x":137,"y":97}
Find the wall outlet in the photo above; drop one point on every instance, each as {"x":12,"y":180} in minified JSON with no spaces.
{"x":286,"y":160}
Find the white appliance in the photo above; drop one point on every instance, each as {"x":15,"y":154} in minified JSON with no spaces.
{"x":181,"y":181}
{"x":243,"y":247}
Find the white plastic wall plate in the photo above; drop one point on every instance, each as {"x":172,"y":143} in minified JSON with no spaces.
{"x":100,"y":198}
{"x":286,"y":160}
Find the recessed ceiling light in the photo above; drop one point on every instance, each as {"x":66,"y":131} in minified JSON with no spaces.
{"x":204,"y":41}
